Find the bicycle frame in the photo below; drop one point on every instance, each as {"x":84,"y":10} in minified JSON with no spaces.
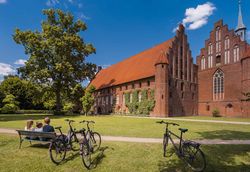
{"x":168,"y":134}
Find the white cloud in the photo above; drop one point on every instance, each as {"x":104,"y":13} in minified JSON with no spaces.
{"x":20,"y":62}
{"x":82,"y":16}
{"x":6,"y":69}
{"x":198,"y":17}
{"x":3,"y":1}
{"x":52,"y":3}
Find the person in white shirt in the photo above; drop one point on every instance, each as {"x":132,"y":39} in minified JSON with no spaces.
{"x":39,"y":127}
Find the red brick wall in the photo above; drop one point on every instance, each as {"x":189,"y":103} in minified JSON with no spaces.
{"x":231,"y":105}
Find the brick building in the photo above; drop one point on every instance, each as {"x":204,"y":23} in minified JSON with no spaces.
{"x":218,"y":81}
{"x":224,"y":71}
{"x":167,"y":69}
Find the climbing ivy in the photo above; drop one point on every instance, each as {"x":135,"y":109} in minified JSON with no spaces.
{"x":145,"y":106}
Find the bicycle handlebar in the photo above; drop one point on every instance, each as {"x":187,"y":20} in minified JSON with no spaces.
{"x":87,"y":121}
{"x":168,"y":123}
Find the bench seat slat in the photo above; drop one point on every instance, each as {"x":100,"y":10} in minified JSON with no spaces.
{"x":37,"y":134}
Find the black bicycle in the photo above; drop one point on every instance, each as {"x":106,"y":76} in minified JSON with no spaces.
{"x":92,"y":136}
{"x":63,"y":143}
{"x":90,"y":143}
{"x":187,"y":150}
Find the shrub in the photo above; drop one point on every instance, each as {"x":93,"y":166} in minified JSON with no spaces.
{"x":9,"y":108}
{"x":68,"y":107}
{"x":216,"y":113}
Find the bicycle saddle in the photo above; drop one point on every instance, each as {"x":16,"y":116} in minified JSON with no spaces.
{"x":183,"y":130}
{"x":58,"y":127}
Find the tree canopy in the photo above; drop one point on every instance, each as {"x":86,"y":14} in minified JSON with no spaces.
{"x":56,"y":53}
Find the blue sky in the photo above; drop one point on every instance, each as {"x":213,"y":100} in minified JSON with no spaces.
{"x":118,"y":28}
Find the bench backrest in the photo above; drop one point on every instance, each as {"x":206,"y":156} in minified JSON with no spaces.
{"x":50,"y":135}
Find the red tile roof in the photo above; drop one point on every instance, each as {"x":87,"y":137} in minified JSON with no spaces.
{"x":134,"y":68}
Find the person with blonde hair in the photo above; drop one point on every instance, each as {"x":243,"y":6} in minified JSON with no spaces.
{"x":29,"y":125}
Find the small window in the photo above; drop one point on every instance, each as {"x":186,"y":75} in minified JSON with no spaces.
{"x":162,"y":96}
{"x":208,"y":108}
{"x":182,"y":86}
{"x":133,"y":86}
{"x":218,"y":60}
{"x":120,"y":88}
{"x":126,"y":87}
{"x":162,"y":66}
{"x":148,"y":83}
{"x":140,"y":85}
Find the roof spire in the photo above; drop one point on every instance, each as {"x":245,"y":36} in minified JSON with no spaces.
{"x":241,"y":28}
{"x":240,"y":20}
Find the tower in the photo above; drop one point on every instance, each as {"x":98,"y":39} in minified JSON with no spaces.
{"x":241,"y":28}
{"x":161,"y":86}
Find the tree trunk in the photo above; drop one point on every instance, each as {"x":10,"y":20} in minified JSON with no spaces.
{"x":58,"y":99}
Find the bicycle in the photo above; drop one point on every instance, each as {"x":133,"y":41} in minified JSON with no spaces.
{"x":85,"y":149}
{"x":63,"y":143}
{"x":92,"y":136}
{"x":188,"y":151}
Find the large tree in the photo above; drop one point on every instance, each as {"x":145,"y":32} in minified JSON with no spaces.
{"x":56,"y":53}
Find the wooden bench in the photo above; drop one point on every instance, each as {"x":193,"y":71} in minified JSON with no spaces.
{"x":30,"y":136}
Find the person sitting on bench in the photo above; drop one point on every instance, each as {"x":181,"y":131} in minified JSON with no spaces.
{"x":29,"y":125}
{"x":39,"y":127}
{"x":47,"y":127}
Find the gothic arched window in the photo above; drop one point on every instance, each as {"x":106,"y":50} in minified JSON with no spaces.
{"x":218,"y":85}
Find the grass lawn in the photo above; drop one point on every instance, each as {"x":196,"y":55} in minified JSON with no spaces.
{"x":122,"y":157}
{"x":136,"y":127}
{"x":216,"y":118}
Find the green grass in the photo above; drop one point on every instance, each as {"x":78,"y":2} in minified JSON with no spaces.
{"x":122,"y":157}
{"x":136,"y":127}
{"x":216,"y":118}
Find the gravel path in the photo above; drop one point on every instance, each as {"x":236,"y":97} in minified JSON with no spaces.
{"x":154,"y":140}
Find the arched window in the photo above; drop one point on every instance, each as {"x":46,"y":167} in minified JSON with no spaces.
{"x":218,"y":85}
{"x":227,"y":50}
{"x":203,"y":63}
{"x":210,"y":55}
{"x":236,"y":53}
{"x":218,"y":39}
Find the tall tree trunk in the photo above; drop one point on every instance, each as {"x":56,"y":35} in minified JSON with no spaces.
{"x":58,"y":99}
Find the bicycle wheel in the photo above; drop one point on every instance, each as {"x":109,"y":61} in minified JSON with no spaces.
{"x":165,"y":144}
{"x":85,"y":154}
{"x":95,"y":139}
{"x":194,"y":157}
{"x":57,"y":151}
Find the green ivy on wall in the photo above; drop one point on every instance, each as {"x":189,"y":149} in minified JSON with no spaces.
{"x":145,"y":106}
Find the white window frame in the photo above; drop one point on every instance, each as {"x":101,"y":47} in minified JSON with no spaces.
{"x":218,"y":85}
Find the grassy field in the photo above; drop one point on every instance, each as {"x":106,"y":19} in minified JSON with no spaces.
{"x":135,"y":127}
{"x":122,"y":157}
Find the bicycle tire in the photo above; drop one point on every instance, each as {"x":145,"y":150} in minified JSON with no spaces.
{"x":194,"y":157}
{"x":96,"y":141}
{"x":57,"y":148}
{"x":165,"y":144}
{"x":85,"y":154}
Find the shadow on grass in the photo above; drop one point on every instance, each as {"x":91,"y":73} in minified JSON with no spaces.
{"x":98,"y":157}
{"x":219,"y":158}
{"x":224,"y":134}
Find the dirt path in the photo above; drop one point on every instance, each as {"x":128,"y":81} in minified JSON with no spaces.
{"x":153,"y":140}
